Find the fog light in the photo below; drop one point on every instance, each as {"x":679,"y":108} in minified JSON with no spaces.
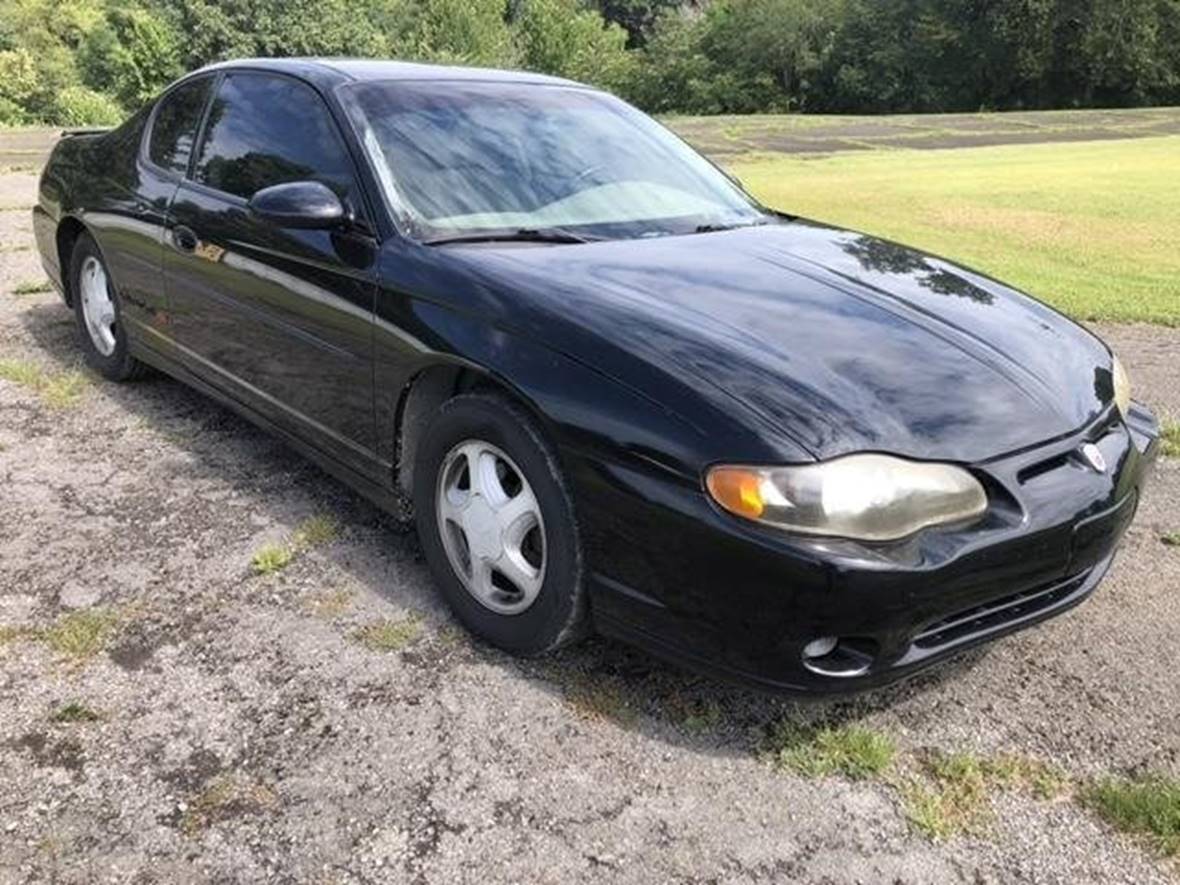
{"x":817,"y":648}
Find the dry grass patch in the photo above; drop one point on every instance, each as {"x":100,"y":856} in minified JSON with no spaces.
{"x":329,"y":605}
{"x":58,"y":390}
{"x":954,"y":791}
{"x":226,"y":798}
{"x":1170,"y":439}
{"x":852,"y":751}
{"x":599,"y":698}
{"x":31,"y":287}
{"x":389,"y":635}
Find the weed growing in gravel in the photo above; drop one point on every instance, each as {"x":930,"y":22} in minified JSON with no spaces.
{"x":80,"y":634}
{"x":1170,"y":439}
{"x":75,"y":712}
{"x":315,"y":531}
{"x":1172,"y":539}
{"x":271,"y":558}
{"x":389,"y":635}
{"x":57,"y":389}
{"x":813,"y":751}
{"x":1148,"y":805}
{"x":955,"y":796}
{"x":225,"y":798}
{"x":22,"y":372}
{"x":31,"y":287}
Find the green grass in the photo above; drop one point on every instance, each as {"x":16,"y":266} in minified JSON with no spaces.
{"x":1172,"y":539}
{"x":389,"y":635}
{"x":315,"y":531}
{"x":75,"y":712}
{"x":1088,"y":227}
{"x":31,"y":287}
{"x":814,"y":751}
{"x":271,"y":558}
{"x":1148,"y":805}
{"x":80,"y":634}
{"x":1170,"y":439}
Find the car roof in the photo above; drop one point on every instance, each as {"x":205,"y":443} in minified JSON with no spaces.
{"x":333,"y":71}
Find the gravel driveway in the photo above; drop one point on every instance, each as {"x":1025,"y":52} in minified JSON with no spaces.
{"x":168,"y":714}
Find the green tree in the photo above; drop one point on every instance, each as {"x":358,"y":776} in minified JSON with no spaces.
{"x":473,"y":32}
{"x":131,"y":55}
{"x":560,"y":37}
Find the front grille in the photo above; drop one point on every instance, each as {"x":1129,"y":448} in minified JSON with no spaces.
{"x":994,"y":614}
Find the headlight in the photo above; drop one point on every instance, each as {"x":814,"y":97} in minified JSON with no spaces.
{"x":868,"y":497}
{"x":1122,"y":387}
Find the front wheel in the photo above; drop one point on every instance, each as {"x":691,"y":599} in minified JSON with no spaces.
{"x":497,"y":525}
{"x":97,"y":313}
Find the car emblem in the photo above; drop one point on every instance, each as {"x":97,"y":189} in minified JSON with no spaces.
{"x":1094,"y":457}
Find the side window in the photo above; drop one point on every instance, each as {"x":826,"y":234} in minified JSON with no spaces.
{"x":175,"y":127}
{"x":266,"y":130}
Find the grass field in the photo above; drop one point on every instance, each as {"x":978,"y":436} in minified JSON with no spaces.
{"x":1093,"y":228}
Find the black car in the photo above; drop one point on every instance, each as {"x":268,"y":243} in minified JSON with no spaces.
{"x":619,"y":393}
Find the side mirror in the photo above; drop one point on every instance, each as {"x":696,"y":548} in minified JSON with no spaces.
{"x":308,"y":205}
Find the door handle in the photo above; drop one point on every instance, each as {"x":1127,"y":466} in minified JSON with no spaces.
{"x":184,"y":238}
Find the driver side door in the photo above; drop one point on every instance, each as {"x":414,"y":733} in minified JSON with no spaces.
{"x":279,"y":318}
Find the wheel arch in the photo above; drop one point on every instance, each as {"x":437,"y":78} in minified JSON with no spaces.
{"x":69,"y":229}
{"x":431,"y":386}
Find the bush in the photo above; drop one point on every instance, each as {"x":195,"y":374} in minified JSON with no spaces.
{"x":79,"y":106}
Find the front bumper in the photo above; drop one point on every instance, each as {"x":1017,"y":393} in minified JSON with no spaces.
{"x":674,"y":575}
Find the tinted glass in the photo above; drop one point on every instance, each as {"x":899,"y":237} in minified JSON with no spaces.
{"x":478,"y":156}
{"x":176,"y":124}
{"x":266,"y":130}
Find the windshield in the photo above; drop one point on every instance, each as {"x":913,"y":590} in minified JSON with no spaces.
{"x":461,"y":158}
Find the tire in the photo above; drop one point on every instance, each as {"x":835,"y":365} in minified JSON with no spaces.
{"x":491,"y":431}
{"x":101,"y":331}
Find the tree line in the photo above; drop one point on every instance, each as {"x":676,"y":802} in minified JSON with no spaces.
{"x":80,"y":62}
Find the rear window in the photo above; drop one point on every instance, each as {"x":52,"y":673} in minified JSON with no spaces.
{"x":175,"y":128}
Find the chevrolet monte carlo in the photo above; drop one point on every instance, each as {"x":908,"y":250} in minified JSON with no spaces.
{"x":620,"y":394}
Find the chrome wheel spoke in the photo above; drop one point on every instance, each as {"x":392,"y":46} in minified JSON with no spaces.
{"x":519,"y":572}
{"x":481,"y":582}
{"x":517,"y":516}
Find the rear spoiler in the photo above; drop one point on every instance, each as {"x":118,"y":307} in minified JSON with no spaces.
{"x":69,"y":133}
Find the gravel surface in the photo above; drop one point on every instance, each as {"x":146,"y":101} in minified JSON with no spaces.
{"x":249,"y":727}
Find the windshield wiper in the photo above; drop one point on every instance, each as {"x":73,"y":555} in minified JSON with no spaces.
{"x":710,"y":228}
{"x":515,"y":235}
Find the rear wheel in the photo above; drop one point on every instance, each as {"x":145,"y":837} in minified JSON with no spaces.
{"x":497,"y":525}
{"x":96,"y":311}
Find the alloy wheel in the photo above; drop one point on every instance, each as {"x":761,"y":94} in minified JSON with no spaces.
{"x":491,"y":526}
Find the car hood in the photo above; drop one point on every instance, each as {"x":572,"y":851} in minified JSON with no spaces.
{"x":839,"y":341}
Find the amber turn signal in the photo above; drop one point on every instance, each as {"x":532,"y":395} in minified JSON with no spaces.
{"x":737,"y":490}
